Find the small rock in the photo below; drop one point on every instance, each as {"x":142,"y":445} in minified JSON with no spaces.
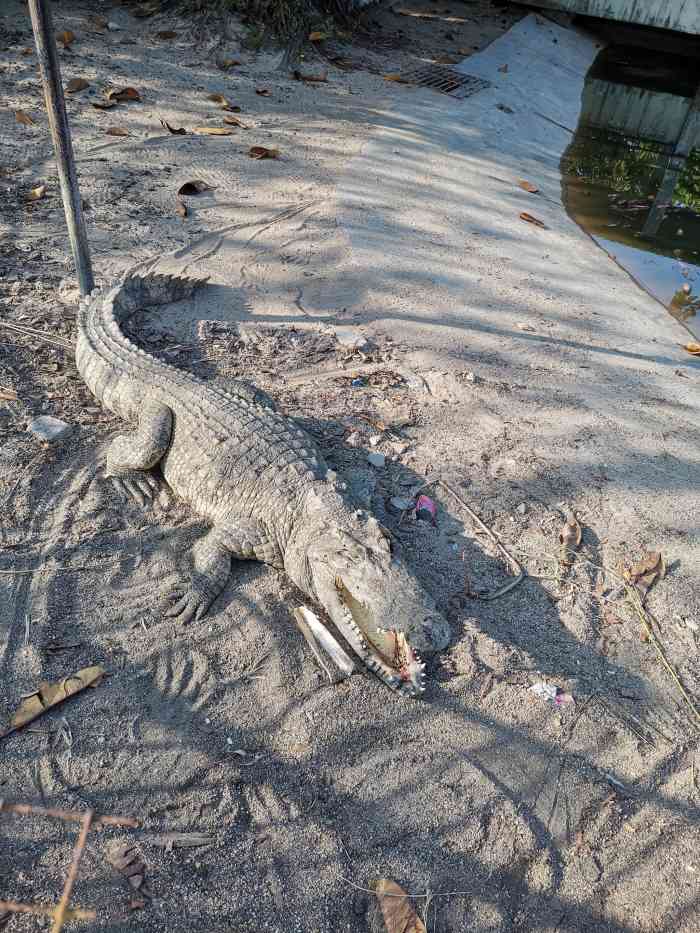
{"x":375,"y":439}
{"x":354,"y":439}
{"x":49,"y":429}
{"x":376,"y":460}
{"x":522,"y":508}
{"x":112,"y":25}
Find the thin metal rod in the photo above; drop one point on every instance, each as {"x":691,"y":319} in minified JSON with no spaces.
{"x":60,"y":132}
{"x":71,"y":816}
{"x":73,"y":913}
{"x":60,"y":914}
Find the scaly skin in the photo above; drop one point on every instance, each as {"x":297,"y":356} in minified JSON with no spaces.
{"x":260,"y":482}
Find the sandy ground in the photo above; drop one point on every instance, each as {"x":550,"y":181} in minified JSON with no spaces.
{"x":515,"y":362}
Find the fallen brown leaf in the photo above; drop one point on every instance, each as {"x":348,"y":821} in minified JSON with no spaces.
{"x":263,"y":92}
{"x":570,"y":537}
{"x":644,"y":574}
{"x":166,"y":34}
{"x":234,"y":121}
{"x":317,"y":36}
{"x":212,"y":131}
{"x":262,"y":152}
{"x":49,"y":695}
{"x":528,"y":186}
{"x":176,"y":131}
{"x":24,"y":118}
{"x":693,"y":348}
{"x":224,"y":102}
{"x":8,"y":395}
{"x":194,"y":187}
{"x":126,"y":860}
{"x":28,"y":51}
{"x":77,"y":84}
{"x":104,"y":104}
{"x":36,"y":193}
{"x":397,"y":78}
{"x":225,"y":63}
{"x":99,"y":22}
{"x":116,"y":131}
{"x":532,"y":220}
{"x":123,"y":93}
{"x":181,"y":207}
{"x":66,"y":38}
{"x":397,"y":910}
{"x":310,"y":79}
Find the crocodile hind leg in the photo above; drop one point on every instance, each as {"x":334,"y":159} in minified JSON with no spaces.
{"x":131,"y":456}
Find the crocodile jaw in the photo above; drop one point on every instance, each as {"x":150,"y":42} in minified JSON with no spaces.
{"x":385,"y":652}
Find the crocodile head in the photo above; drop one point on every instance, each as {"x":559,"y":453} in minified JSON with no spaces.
{"x":375,"y":603}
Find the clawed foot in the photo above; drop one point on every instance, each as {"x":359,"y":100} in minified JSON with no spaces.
{"x":190,"y":604}
{"x":144,"y":488}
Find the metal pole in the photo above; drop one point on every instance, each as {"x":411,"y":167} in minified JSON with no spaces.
{"x":60,"y":132}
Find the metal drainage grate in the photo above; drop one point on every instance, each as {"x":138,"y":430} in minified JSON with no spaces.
{"x":446,"y":80}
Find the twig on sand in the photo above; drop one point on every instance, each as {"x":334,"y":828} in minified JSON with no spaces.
{"x":646,"y":619}
{"x":429,"y":895}
{"x":60,"y":914}
{"x":71,"y":913}
{"x":514,"y":563}
{"x":39,"y":334}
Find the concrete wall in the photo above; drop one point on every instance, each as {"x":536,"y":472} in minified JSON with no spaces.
{"x":634,"y":111}
{"x":681,"y":15}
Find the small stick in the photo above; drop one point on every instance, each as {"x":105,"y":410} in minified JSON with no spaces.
{"x":515,"y":564}
{"x":39,"y":334}
{"x":72,"y":913}
{"x":60,"y":914}
{"x":70,"y":816}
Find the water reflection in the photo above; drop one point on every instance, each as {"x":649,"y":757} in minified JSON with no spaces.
{"x":631,"y":176}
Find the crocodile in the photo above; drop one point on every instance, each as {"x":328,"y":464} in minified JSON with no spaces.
{"x":260,"y":483}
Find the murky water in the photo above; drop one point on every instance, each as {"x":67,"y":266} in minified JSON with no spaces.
{"x":631,"y":175}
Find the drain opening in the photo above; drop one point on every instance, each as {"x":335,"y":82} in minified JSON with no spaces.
{"x":446,"y":80}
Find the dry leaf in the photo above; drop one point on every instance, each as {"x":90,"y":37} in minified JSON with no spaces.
{"x":399,"y":79}
{"x":503,"y":69}
{"x":28,"y":51}
{"x":166,"y":34}
{"x":181,"y":207}
{"x":104,"y":104}
{"x":24,"y":118}
{"x":234,"y":121}
{"x":123,"y":93}
{"x":49,"y":695}
{"x":528,"y":186}
{"x":127,"y":861}
{"x":8,"y":395}
{"x":224,"y":103}
{"x":263,"y":92}
{"x":36,"y":193}
{"x":310,"y":79}
{"x":212,"y":131}
{"x":77,"y":84}
{"x":225,"y":63}
{"x":644,"y":574}
{"x":317,"y":36}
{"x":98,"y":21}
{"x":569,"y":539}
{"x":116,"y":131}
{"x":180,"y":131}
{"x":194,"y":187}
{"x":66,"y":37}
{"x":693,"y":348}
{"x":262,"y":152}
{"x":397,"y":910}
{"x":532,"y":220}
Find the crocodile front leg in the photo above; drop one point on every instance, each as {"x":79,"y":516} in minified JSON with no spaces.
{"x":131,"y":455}
{"x":212,"y":566}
